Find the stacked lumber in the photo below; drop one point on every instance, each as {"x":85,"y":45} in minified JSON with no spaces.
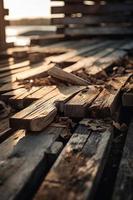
{"x":41,"y":113}
{"x":93,"y":18}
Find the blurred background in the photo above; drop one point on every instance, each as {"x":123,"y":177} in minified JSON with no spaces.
{"x":27,"y":18}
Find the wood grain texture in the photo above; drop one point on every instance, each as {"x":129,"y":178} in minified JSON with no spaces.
{"x":23,"y":161}
{"x":77,"y":170}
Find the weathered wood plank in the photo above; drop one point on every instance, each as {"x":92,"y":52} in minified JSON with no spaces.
{"x":23,"y":162}
{"x":15,"y":66}
{"x":35,"y":93}
{"x":10,"y":86}
{"x":107,"y":61}
{"x":16,"y":92}
{"x":107,"y":102}
{"x":124,"y":181}
{"x":77,"y":106}
{"x":78,"y":169}
{"x":67,"y":77}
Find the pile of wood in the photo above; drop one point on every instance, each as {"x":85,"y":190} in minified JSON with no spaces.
{"x":93,"y":18}
{"x":62,"y":101}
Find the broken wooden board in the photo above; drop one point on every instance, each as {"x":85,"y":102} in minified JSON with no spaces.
{"x":106,"y":104}
{"x":62,"y":75}
{"x":41,"y":113}
{"x":124,"y":181}
{"x":78,"y":169}
{"x":77,"y":106}
{"x":23,"y":162}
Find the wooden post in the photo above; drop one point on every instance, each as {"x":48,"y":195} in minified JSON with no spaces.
{"x":3,"y":12}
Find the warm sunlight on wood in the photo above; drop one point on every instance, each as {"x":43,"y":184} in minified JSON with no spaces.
{"x":30,"y":8}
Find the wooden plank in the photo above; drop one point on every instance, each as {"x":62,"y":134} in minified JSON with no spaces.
{"x":124,"y":181}
{"x":25,"y":162}
{"x":10,"y":86}
{"x":93,"y":9}
{"x":35,"y":93}
{"x":41,"y":113}
{"x":88,"y":148}
{"x":106,"y":104}
{"x":15,"y":71}
{"x":15,"y":66}
{"x":77,"y":106}
{"x":93,"y":19}
{"x":94,"y":31}
{"x":6,"y":96}
{"x":104,"y":63}
{"x":67,"y":77}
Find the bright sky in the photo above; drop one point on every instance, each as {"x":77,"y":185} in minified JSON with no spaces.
{"x":28,"y":8}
